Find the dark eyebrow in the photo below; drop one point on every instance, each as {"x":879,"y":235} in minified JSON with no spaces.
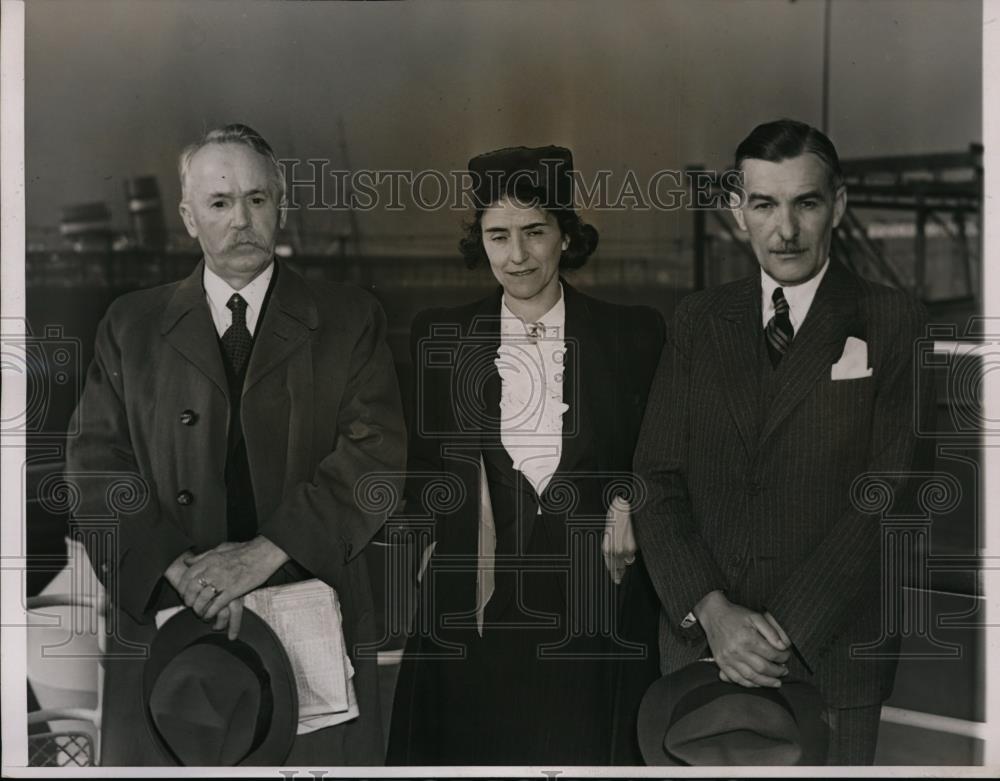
{"x":529,"y":226}
{"x":258,"y":191}
{"x":811,"y":195}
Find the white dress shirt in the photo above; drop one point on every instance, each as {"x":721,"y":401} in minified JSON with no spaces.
{"x":531,"y":391}
{"x":799,"y":297}
{"x":218,"y":292}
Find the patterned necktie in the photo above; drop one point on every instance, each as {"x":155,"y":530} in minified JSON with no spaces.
{"x":779,"y":331}
{"x":236,"y":341}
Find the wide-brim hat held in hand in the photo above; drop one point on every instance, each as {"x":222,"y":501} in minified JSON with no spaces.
{"x":211,"y":701}
{"x":690,"y":717}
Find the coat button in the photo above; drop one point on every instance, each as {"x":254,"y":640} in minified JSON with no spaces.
{"x":753,"y":487}
{"x":185,"y":498}
{"x":736,"y":560}
{"x":189,"y":417}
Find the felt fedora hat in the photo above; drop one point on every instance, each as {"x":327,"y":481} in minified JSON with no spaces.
{"x":211,"y":701}
{"x":690,"y":717}
{"x":543,"y":173}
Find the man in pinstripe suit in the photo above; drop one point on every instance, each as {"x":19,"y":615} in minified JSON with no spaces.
{"x":773,"y":395}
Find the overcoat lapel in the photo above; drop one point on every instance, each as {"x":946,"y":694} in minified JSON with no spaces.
{"x":736,"y":330}
{"x":816,"y":347}
{"x":289,"y":319}
{"x":187,"y":327}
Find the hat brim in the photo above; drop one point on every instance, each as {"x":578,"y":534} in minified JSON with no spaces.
{"x":185,"y":628}
{"x":662,"y":697}
{"x":658,"y":703}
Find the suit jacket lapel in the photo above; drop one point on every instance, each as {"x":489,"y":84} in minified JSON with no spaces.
{"x":289,"y":319}
{"x":588,"y":392}
{"x":816,"y":346}
{"x":477,"y":367}
{"x":187,"y":326}
{"x":477,"y":372}
{"x":588,"y":386}
{"x":736,"y":330}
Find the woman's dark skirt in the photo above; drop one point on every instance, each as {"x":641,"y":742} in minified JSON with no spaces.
{"x":517,"y":697}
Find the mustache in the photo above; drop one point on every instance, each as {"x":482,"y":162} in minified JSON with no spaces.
{"x":788,"y":248}
{"x":251,"y":239}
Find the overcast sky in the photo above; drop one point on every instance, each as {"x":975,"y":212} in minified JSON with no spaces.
{"x":117,"y":88}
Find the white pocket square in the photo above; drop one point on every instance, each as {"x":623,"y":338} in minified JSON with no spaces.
{"x":853,"y":363}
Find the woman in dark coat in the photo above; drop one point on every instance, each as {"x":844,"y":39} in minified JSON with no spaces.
{"x":526,"y":650}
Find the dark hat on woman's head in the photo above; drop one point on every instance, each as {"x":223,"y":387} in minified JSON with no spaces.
{"x":543,"y":174}
{"x":211,"y":701}
{"x":690,"y":717}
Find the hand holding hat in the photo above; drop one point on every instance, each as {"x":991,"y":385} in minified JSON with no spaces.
{"x":215,"y":578}
{"x":228,"y":617}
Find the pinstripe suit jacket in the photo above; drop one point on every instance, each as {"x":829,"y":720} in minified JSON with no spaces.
{"x":753,"y":496}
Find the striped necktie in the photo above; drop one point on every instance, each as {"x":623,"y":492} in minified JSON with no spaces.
{"x":779,"y":331}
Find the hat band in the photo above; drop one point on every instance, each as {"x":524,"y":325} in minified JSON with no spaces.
{"x":704,"y":695}
{"x":265,"y":711}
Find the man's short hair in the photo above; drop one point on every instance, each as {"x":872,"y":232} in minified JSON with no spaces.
{"x":787,"y":138}
{"x":235,"y":133}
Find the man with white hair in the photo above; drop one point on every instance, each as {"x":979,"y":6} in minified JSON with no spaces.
{"x":249,"y":405}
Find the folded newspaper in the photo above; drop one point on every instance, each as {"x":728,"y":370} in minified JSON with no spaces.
{"x":306,"y":618}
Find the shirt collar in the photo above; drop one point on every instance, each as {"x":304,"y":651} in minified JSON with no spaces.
{"x":220,"y":291}
{"x":554,"y":320}
{"x":799,"y":297}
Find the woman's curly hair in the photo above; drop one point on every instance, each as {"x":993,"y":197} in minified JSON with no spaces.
{"x":582,"y":236}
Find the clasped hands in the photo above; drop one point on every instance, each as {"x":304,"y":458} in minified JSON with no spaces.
{"x":213,"y":583}
{"x":749,"y":648}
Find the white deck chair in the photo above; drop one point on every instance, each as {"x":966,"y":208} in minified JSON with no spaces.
{"x":66,"y":645}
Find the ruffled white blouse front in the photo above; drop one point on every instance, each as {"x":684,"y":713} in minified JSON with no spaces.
{"x":530,"y":361}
